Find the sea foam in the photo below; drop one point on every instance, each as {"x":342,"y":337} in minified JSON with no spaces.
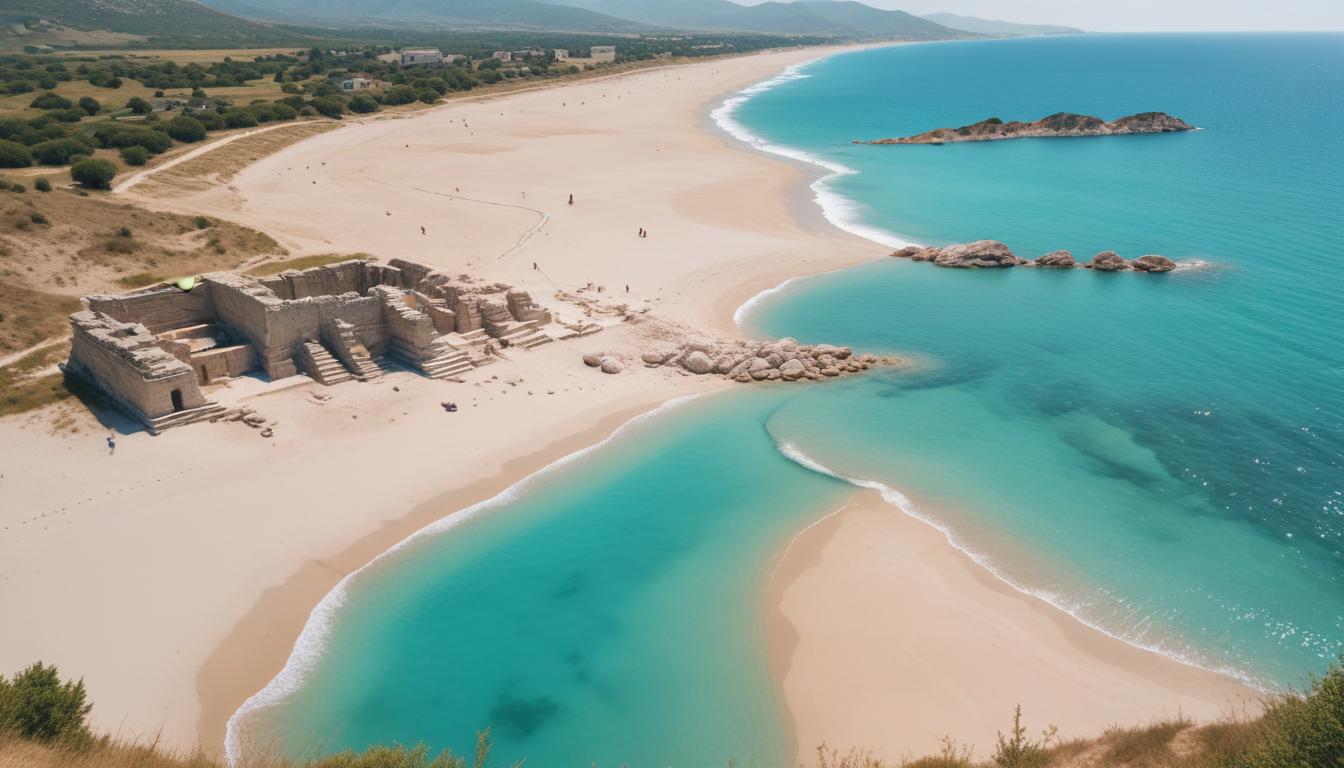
{"x":312,"y":640}
{"x":844,"y":213}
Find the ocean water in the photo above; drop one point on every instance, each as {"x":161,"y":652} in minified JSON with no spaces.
{"x":1161,"y":455}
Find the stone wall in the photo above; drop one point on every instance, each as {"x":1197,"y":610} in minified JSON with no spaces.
{"x":125,"y":361}
{"x":159,"y":309}
{"x":225,"y":362}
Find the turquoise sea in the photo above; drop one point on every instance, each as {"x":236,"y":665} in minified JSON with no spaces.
{"x":1163,"y":456}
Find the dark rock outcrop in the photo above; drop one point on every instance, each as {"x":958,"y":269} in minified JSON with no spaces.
{"x":1108,"y":261}
{"x":1153,"y":263}
{"x":1060,"y":124}
{"x":981,"y":253}
{"x":1062,"y":259}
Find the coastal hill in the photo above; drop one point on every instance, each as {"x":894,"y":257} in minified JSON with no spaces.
{"x":1058,"y":125}
{"x":832,"y":18}
{"x":454,"y":14}
{"x":996,"y":27}
{"x":185,"y":20}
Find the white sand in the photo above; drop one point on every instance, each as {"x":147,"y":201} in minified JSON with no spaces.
{"x":175,"y":575}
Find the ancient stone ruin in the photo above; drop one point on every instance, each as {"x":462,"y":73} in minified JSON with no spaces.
{"x":152,"y":351}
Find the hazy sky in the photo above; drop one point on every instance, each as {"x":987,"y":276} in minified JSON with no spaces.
{"x":1125,"y":15}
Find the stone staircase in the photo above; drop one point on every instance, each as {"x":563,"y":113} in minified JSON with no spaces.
{"x":361,"y":363}
{"x":526,"y":336}
{"x":183,"y":418}
{"x":445,"y":362}
{"x":318,"y":363}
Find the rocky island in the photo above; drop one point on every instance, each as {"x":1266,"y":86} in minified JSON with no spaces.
{"x":992,"y":253}
{"x":1058,"y":125}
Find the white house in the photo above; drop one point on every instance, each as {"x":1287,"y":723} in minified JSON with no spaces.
{"x":356,"y":84}
{"x":412,"y":57}
{"x":561,"y":54}
{"x":503,"y":56}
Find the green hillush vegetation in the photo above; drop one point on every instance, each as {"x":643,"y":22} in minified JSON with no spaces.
{"x":183,"y":20}
{"x":43,"y":723}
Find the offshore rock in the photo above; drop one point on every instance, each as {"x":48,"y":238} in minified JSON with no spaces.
{"x":1108,"y":261}
{"x":1061,"y":259}
{"x":1058,"y":125}
{"x":1153,"y":263}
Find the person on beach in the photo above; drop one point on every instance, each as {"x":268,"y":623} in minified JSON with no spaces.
{"x":571,"y":199}
{"x":422,"y":229}
{"x":111,"y":445}
{"x":534,"y":266}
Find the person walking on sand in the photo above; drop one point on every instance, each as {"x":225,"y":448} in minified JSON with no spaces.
{"x":111,"y":445}
{"x":571,"y":199}
{"x":422,"y":229}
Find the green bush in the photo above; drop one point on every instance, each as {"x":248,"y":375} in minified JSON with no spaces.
{"x":51,"y":100}
{"x":42,"y":184}
{"x":239,"y":118}
{"x":37,"y":705}
{"x":67,"y":115}
{"x":60,"y":151}
{"x":1016,"y":750}
{"x":186,"y":129}
{"x":363,"y":104}
{"x":118,"y":135}
{"x":211,"y":120}
{"x":399,"y":94}
{"x":14,"y":155}
{"x":134,"y":155}
{"x":201,"y":222}
{"x":328,"y":106}
{"x":139,"y":106}
{"x":93,"y":173}
{"x":90,"y":105}
{"x":428,"y":95}
{"x":1304,"y":731}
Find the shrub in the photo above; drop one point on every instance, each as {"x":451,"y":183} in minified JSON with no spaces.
{"x":90,"y":105}
{"x":60,"y":151}
{"x":51,"y":100}
{"x":201,"y":222}
{"x":139,"y":106}
{"x":118,"y":135}
{"x":67,"y":115}
{"x":1302,"y":731}
{"x":14,"y":155}
{"x":328,"y":106}
{"x":17,"y":188}
{"x":399,"y":94}
{"x":42,"y":184}
{"x":134,"y":155}
{"x":93,"y":174}
{"x":211,"y":120}
{"x":363,"y":104}
{"x":37,"y":218}
{"x":37,"y":705}
{"x":239,"y":118}
{"x":282,"y":111}
{"x":1016,"y":750}
{"x":186,"y":129}
{"x":428,"y":95}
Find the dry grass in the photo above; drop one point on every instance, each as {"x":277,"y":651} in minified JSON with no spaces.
{"x":304,"y":262}
{"x":221,"y":164}
{"x":16,"y":105}
{"x":57,"y":246}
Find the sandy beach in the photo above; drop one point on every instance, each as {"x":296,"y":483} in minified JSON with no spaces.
{"x":175,"y":574}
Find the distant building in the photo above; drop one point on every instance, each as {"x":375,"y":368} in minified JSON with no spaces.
{"x":561,"y":54}
{"x":356,"y":84}
{"x":413,"y":57}
{"x":603,"y":53}
{"x":502,"y":56}
{"x":390,"y":58}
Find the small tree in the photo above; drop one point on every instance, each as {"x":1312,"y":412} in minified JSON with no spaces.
{"x":134,"y":155}
{"x":37,"y":705}
{"x":329,"y":106}
{"x":42,"y":184}
{"x":186,"y":129}
{"x":90,"y":105}
{"x":51,"y":100}
{"x":14,"y":155}
{"x":363,"y":104}
{"x":93,"y":173}
{"x":139,"y":106}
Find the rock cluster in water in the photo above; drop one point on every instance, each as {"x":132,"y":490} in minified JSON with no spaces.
{"x":993,"y":254}
{"x":1060,"y":124}
{"x":748,"y":361}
